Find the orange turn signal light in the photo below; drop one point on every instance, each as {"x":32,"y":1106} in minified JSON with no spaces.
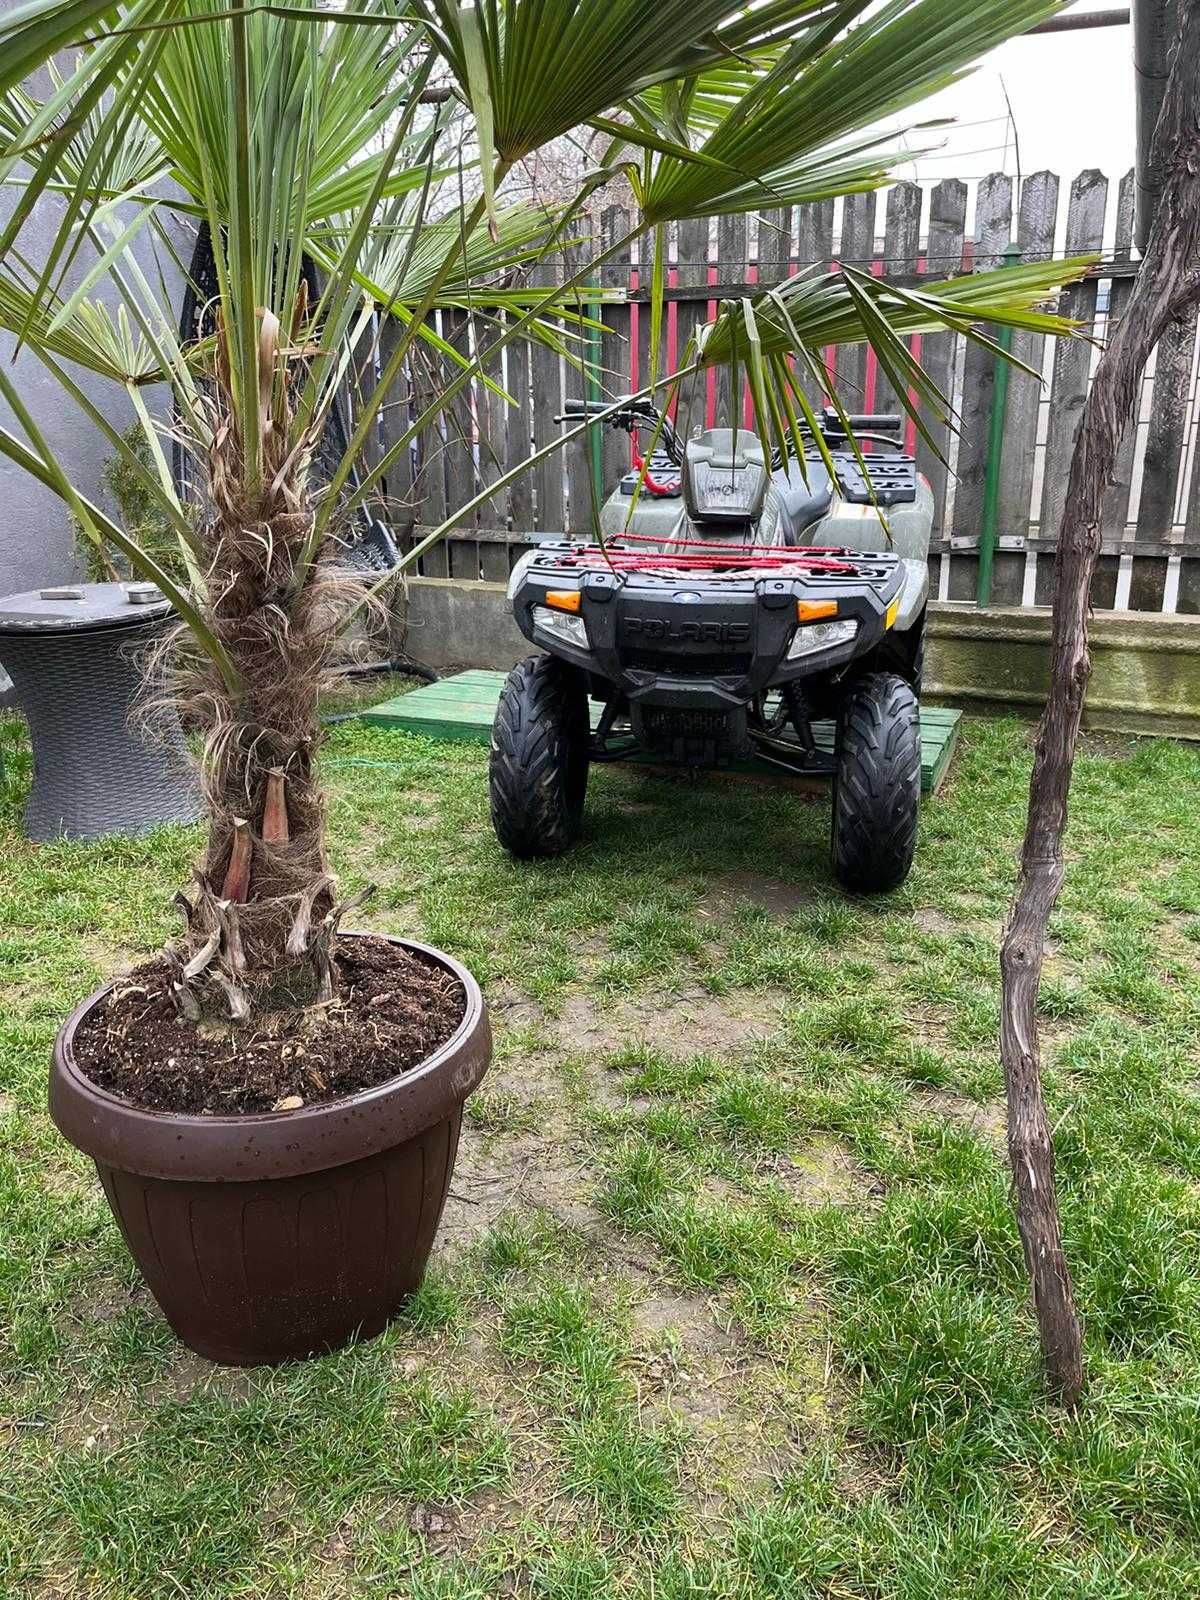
{"x":814,"y":610}
{"x":564,"y":599}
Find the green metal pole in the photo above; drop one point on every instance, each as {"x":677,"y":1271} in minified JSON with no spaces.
{"x":593,"y":393}
{"x":991,"y":482}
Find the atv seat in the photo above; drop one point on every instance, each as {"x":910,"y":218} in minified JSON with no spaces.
{"x":801,"y":504}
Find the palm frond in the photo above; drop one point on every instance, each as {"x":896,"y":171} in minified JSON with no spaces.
{"x":821,"y":309}
{"x":86,"y":332}
{"x":805,"y":122}
{"x":136,"y":163}
{"x":407,"y":254}
{"x":532,"y":71}
{"x":33,"y":33}
{"x":795,"y":322}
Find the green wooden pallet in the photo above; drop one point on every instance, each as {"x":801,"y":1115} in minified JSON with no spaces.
{"x":462,"y":707}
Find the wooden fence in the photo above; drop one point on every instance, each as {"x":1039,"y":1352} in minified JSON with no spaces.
{"x":1151,"y":551}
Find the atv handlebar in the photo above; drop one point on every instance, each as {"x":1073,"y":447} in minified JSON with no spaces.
{"x":581,"y":408}
{"x":631,"y":415}
{"x":833,"y":427}
{"x":885,"y":427}
{"x":645,"y":412}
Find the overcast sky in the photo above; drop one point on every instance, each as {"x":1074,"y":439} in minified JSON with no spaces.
{"x":1072,"y":101}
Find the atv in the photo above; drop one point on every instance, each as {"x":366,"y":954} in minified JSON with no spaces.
{"x":743,"y":602}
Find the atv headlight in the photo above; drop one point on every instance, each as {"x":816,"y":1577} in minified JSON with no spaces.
{"x":810,"y":637}
{"x":561,"y":625}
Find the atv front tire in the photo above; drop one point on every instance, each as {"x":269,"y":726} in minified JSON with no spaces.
{"x":538,"y":770}
{"x":877,"y":784}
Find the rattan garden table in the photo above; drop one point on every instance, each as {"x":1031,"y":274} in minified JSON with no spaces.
{"x":73,"y":655}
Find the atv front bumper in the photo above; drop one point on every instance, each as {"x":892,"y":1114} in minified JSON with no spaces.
{"x":703,"y":642}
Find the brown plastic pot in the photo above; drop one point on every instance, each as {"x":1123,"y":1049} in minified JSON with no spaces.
{"x":274,"y":1236}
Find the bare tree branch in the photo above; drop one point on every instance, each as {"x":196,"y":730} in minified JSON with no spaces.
{"x":1167,"y":283}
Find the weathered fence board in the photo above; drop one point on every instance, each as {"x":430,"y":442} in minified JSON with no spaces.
{"x":545,"y":375}
{"x":460,"y":418}
{"x":731,"y":259}
{"x":901,"y":253}
{"x":691,"y":272}
{"x":519,"y":433}
{"x":1072,"y":358}
{"x":1115,"y":507}
{"x":396,"y":498}
{"x":774,"y":244}
{"x":993,"y":229}
{"x":430,"y":484}
{"x":614,"y":341}
{"x":814,"y":233}
{"x":1037,"y":215}
{"x":580,"y":487}
{"x":814,"y":244}
{"x":857,"y":249}
{"x":495,"y":419}
{"x":1168,"y":425}
{"x":943,"y":254}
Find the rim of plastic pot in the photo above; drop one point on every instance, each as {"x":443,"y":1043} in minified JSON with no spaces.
{"x":259,"y":1145}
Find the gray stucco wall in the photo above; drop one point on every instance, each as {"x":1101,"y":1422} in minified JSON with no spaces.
{"x":36,"y":545}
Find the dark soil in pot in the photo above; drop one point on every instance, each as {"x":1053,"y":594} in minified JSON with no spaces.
{"x":393,"y":1009}
{"x":275,"y":1234}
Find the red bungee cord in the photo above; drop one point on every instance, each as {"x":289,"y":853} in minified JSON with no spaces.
{"x":665,"y":561}
{"x":702,"y":555}
{"x":766,"y":549}
{"x":661,"y":486}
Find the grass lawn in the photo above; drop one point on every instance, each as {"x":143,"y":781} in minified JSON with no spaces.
{"x":728,"y":1300}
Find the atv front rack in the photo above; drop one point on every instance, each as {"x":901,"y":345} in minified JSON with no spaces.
{"x":683,"y":557}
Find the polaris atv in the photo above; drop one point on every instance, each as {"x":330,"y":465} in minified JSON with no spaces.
{"x":742,"y":603}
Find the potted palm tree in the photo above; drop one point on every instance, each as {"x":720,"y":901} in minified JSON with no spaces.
{"x":273,"y":1103}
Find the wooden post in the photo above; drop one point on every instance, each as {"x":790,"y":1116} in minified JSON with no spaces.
{"x":947,"y":219}
{"x":857,"y":249}
{"x":1116,"y":496}
{"x":732,"y":252}
{"x":993,"y":230}
{"x":1072,"y":358}
{"x":1037,"y":212}
{"x":1165,"y":292}
{"x":901,"y":253}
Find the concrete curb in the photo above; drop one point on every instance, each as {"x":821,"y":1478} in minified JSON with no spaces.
{"x":1145,"y":668}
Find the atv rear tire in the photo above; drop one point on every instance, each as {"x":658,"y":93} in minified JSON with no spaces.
{"x":877,"y":784}
{"x":538,"y":770}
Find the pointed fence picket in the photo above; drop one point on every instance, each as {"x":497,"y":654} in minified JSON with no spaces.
{"x":944,"y":245}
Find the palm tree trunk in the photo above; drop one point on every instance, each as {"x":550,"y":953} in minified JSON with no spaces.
{"x":263,"y":918}
{"x":1167,"y":283}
